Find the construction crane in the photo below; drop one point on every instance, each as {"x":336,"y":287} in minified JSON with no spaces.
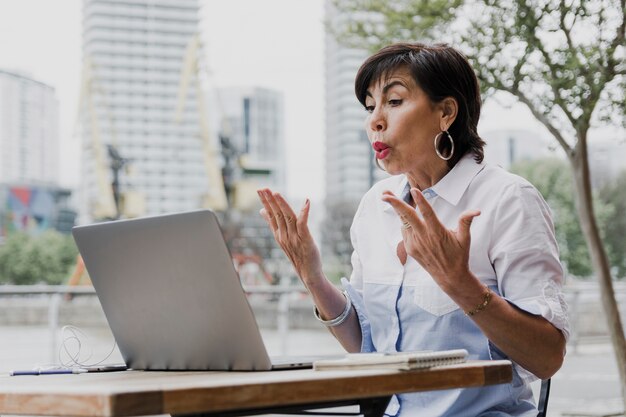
{"x":104,"y":206}
{"x":227,"y":192}
{"x":116,"y":164}
{"x":215,"y":198}
{"x":110,"y":202}
{"x":226,"y":187}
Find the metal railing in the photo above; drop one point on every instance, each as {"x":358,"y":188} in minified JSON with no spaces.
{"x":56,"y":294}
{"x":578,"y":295}
{"x":582,"y":294}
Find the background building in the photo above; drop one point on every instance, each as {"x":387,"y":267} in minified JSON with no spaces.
{"x":29,"y":130}
{"x":508,"y":146}
{"x":34,"y":209}
{"x":254,"y":120}
{"x":133,"y":55}
{"x":30,"y":198}
{"x":251,"y":123}
{"x":350,"y":169}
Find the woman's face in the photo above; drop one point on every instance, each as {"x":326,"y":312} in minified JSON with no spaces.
{"x":402,"y":124}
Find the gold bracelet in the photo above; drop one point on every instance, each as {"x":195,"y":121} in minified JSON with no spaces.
{"x":480,"y":307}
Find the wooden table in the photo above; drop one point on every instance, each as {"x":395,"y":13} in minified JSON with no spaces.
{"x":134,"y":393}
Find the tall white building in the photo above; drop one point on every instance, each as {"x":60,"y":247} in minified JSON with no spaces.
{"x":134,"y":50}
{"x":29,"y":131}
{"x":350,"y":169}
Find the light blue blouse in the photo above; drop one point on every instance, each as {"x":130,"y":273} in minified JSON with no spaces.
{"x":401,"y":309}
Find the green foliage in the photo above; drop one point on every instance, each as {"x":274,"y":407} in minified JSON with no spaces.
{"x":553,"y":179}
{"x":614,"y":194}
{"x":47,"y":258}
{"x":532,"y":49}
{"x":374,"y":23}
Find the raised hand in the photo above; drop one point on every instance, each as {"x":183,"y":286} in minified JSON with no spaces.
{"x":444,"y":253}
{"x":292,"y":234}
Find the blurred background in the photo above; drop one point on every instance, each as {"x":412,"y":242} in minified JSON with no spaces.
{"x":119,"y":109}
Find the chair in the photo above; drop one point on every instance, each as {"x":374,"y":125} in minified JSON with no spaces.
{"x":544,"y":395}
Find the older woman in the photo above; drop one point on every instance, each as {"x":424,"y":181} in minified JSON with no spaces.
{"x":421,"y":280}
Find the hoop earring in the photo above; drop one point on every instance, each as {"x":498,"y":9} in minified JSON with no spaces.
{"x":378,"y":165}
{"x":445,"y":158}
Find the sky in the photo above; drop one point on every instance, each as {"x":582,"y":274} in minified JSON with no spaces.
{"x":276,"y":44}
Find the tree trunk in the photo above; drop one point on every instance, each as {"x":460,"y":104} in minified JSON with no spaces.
{"x":580,"y":165}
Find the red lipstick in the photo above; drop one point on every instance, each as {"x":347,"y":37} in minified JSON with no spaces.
{"x":381,"y":149}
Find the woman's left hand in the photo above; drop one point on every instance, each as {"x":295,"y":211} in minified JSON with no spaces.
{"x":444,"y":253}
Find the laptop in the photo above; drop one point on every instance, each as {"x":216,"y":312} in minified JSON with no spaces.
{"x":171,"y":294}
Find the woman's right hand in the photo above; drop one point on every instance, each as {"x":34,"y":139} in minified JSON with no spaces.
{"x":292,"y":234}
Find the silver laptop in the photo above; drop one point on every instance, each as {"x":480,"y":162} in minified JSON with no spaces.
{"x":171,"y":294}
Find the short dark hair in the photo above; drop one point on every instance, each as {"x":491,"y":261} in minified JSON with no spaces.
{"x":441,"y":71}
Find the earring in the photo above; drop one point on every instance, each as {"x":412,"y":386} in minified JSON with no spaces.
{"x":445,"y":158}
{"x":378,"y":165}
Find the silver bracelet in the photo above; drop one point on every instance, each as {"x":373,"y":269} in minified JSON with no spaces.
{"x":339,"y":319}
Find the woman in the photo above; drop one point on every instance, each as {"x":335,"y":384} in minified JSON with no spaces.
{"x":421,"y":280}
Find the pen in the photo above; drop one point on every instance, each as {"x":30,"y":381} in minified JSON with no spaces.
{"x":49,"y":372}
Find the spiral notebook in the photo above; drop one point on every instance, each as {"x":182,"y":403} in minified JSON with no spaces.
{"x":404,"y":361}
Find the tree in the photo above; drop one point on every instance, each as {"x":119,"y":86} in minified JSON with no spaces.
{"x":564,"y":59}
{"x":614,"y":193}
{"x":554,"y":181}
{"x":46,"y":258}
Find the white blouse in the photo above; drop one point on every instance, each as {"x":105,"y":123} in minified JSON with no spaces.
{"x":513,"y":250}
